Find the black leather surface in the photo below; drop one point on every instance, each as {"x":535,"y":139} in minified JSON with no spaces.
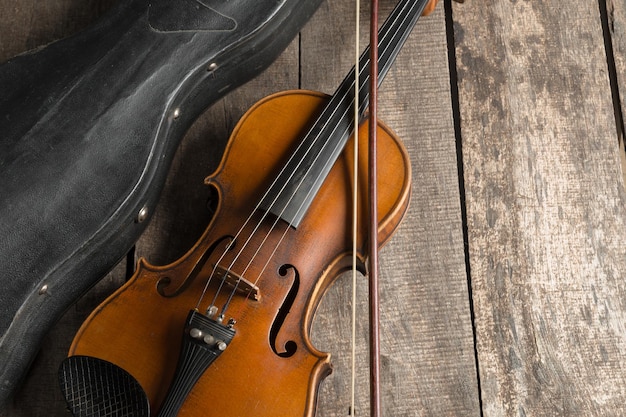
{"x":88,"y":127}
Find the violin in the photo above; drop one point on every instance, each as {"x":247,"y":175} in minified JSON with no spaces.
{"x":224,"y":331}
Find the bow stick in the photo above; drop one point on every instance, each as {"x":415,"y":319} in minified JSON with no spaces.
{"x":374,"y":302}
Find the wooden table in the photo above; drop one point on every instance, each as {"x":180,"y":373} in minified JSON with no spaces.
{"x":503,"y":291}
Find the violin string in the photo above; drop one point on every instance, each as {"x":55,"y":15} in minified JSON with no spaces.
{"x":252,"y":259}
{"x":266,"y":212}
{"x":263,"y":217}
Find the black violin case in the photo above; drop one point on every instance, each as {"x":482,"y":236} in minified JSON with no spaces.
{"x":88,"y":128}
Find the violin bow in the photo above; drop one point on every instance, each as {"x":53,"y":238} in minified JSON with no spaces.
{"x":373,"y":290}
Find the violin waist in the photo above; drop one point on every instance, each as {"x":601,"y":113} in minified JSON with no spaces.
{"x":88,"y":129}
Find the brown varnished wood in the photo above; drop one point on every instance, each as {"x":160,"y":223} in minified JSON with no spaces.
{"x":140,"y":330}
{"x":430,"y":7}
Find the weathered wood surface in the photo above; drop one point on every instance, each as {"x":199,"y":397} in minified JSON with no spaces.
{"x":534,"y":324}
{"x":545,"y":207}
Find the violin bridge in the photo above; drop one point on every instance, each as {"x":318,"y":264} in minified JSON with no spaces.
{"x":237,"y":282}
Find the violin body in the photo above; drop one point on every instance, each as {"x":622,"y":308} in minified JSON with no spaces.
{"x":270,"y":368}
{"x":88,"y":128}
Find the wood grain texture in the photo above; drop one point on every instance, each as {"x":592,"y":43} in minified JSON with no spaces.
{"x":545,"y":208}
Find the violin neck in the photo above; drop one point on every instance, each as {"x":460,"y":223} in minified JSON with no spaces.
{"x":297,"y":184}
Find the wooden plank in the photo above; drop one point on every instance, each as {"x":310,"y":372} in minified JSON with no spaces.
{"x":545,"y":207}
{"x":428,"y":355}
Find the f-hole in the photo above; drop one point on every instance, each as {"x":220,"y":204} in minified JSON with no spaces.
{"x":166,"y":281}
{"x":290,"y":346}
